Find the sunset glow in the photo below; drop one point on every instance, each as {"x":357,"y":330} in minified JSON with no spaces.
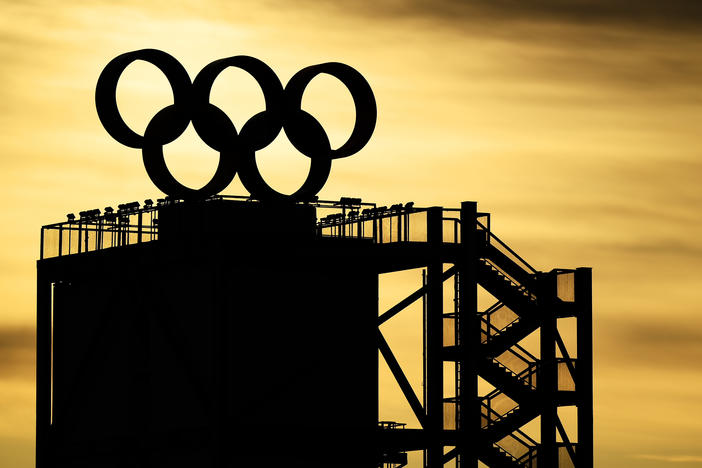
{"x":579,"y":128}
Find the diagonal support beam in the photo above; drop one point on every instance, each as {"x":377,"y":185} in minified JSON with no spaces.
{"x":564,"y":437}
{"x":409,"y":300}
{"x":401,"y":380}
{"x":564,"y":353}
{"x":450,"y":455}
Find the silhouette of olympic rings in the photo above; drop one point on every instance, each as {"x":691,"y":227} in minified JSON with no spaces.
{"x":237,"y":150}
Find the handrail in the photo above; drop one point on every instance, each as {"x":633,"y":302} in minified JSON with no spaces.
{"x":505,"y":451}
{"x":493,"y":308}
{"x":532,"y":454}
{"x":528,"y":354}
{"x":492,"y":411}
{"x":500,"y":330}
{"x":531,"y":366}
{"x":338,"y":223}
{"x":519,"y":286}
{"x":497,"y":331}
{"x":391,"y":425}
{"x":99,"y":232}
{"x":529,"y":444}
{"x":522,"y":438}
{"x":499,"y":241}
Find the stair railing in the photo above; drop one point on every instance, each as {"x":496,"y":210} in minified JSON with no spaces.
{"x":518,"y":446}
{"x":530,"y":458}
{"x":489,"y":414}
{"x":522,"y":288}
{"x":488,"y":330}
{"x":520,"y":363}
{"x":496,"y":242}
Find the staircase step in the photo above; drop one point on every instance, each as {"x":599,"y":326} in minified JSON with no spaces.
{"x":495,"y":457}
{"x":502,"y":287}
{"x":514,"y":333}
{"x":510,"y":422}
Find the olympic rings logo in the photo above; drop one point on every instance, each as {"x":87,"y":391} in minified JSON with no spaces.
{"x":237,"y":149}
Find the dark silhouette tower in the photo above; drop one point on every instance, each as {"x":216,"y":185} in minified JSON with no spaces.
{"x":236,"y":338}
{"x":235,"y":333}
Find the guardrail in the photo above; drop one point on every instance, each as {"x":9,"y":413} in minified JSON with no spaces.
{"x":93,"y":231}
{"x":346,"y":218}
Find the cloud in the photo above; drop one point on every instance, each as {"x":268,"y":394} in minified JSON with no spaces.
{"x":672,"y":458}
{"x":666,"y":334}
{"x":17,"y":351}
{"x":672,"y":14}
{"x":650,"y":343}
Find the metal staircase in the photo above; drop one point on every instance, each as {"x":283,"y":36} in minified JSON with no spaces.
{"x":485,"y":343}
{"x":521,"y":306}
{"x":511,"y":369}
{"x":482,"y":342}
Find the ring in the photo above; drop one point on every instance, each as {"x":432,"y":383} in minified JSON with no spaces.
{"x":237,"y":150}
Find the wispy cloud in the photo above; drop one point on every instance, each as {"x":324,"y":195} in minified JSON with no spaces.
{"x":672,"y":458}
{"x":17,"y":353}
{"x":672,"y":14}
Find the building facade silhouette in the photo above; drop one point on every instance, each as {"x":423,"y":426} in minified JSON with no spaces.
{"x":230,"y":332}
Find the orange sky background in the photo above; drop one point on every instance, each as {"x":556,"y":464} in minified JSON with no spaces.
{"x":578,"y":127}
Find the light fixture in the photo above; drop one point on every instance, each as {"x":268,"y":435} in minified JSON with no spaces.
{"x":349,"y":201}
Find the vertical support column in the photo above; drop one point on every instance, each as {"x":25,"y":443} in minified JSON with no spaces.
{"x":224,"y":377}
{"x":139,"y":226}
{"x":60,"y":241}
{"x":548,"y":378}
{"x":80,"y":237}
{"x":434,"y":340}
{"x":100,"y":234}
{"x":468,"y":339}
{"x":399,"y":225}
{"x":406,"y":229}
{"x":123,"y":229}
{"x":44,"y":307}
{"x":343,"y":221}
{"x":583,"y":384}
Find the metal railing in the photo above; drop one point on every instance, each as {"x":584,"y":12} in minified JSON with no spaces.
{"x":496,"y":242}
{"x":496,"y":320}
{"x":92,"y":232}
{"x":524,"y":289}
{"x":398,"y":223}
{"x":520,"y":363}
{"x":391,"y":425}
{"x":520,"y":447}
{"x":496,"y":406}
{"x":531,"y":457}
{"x":346,"y":218}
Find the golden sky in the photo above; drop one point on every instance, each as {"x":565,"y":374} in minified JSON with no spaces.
{"x":576,"y":124}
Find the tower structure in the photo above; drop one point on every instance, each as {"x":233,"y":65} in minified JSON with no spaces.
{"x":230,"y":332}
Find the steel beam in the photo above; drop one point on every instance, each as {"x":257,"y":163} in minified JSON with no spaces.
{"x":409,"y":300}
{"x":44,"y":334}
{"x":468,"y":339}
{"x":434,"y":339}
{"x":583,"y":384}
{"x":548,"y":379}
{"x":402,"y":380}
